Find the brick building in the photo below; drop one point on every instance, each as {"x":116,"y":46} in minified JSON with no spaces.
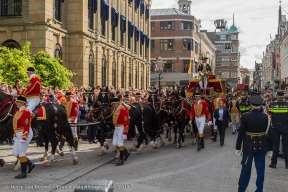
{"x":103,"y":41}
{"x":227,"y":60}
{"x":175,"y":34}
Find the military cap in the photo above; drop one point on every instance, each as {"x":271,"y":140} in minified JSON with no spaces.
{"x":256,"y":101}
{"x":197,"y":93}
{"x":280,"y":94}
{"x":115,"y":100}
{"x":68,"y":94}
{"x":125,"y":95}
{"x":31,"y":69}
{"x":21,"y":99}
{"x":217,"y":91}
{"x":138,"y":95}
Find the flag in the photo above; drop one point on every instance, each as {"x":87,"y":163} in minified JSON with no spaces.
{"x":191,"y":62}
{"x":273,"y":60}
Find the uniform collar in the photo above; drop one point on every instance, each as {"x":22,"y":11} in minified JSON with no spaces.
{"x":31,"y":76}
{"x":21,"y":108}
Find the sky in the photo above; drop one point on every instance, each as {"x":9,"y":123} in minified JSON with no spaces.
{"x":256,"y":21}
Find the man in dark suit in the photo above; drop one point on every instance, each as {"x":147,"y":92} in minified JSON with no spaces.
{"x":256,"y":137}
{"x":222,"y":117}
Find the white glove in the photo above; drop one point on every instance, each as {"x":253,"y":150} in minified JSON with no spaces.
{"x":269,"y":153}
{"x":190,"y":122}
{"x":14,"y":139}
{"x":209,"y":123}
{"x":124,"y":137}
{"x":201,"y":73}
{"x":22,"y":141}
{"x":238,"y":152}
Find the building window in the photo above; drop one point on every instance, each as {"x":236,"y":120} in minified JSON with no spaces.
{"x":104,"y":71}
{"x":186,"y":25}
{"x":130,"y":74}
{"x":91,"y":69}
{"x":235,"y":64}
{"x":225,"y":50}
{"x":169,"y":66}
{"x":225,"y":74}
{"x":57,"y":10}
{"x":225,"y":63}
{"x":196,"y":28}
{"x":152,"y":26}
{"x":113,"y":32}
{"x":57,"y":51}
{"x":114,"y":74}
{"x":130,"y":2}
{"x":103,"y":25}
{"x":136,"y":77}
{"x":234,"y":74}
{"x":122,"y":37}
{"x":222,"y":37}
{"x":90,"y":14}
{"x":234,"y":49}
{"x":196,"y":47}
{"x":152,"y":45}
{"x":11,"y":7}
{"x":187,"y":44}
{"x":167,"y":25}
{"x":233,"y":37}
{"x":122,"y":75}
{"x":186,"y":66}
{"x":218,"y":47}
{"x":129,"y":41}
{"x":167,"y":44}
{"x":141,"y":48}
{"x":11,"y":44}
{"x":234,"y":59}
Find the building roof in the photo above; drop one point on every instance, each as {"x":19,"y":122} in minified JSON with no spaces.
{"x":170,"y":11}
{"x":245,"y":70}
{"x":233,"y":29}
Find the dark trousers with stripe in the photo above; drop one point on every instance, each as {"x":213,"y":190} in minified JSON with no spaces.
{"x":259,"y":159}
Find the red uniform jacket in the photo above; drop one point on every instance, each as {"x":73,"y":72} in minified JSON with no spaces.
{"x":215,"y":103}
{"x":200,"y":110}
{"x":33,"y":89}
{"x":22,"y":122}
{"x":72,"y":109}
{"x":121,"y":118}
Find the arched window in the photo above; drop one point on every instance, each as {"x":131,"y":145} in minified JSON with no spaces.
{"x":184,"y":7}
{"x":104,"y":71}
{"x":114,"y":74}
{"x":122,"y":75}
{"x":91,"y":69}
{"x":11,"y":44}
{"x":57,"y":51}
{"x":188,"y":7}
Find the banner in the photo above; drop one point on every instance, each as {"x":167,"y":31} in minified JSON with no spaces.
{"x":191,"y":63}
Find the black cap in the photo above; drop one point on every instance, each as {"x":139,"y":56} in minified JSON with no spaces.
{"x":125,"y":95}
{"x":217,"y":91}
{"x":31,"y":69}
{"x":138,"y":95}
{"x":115,"y":100}
{"x":21,"y":99}
{"x":280,"y":94}
{"x":256,"y":101}
{"x":197,"y":93}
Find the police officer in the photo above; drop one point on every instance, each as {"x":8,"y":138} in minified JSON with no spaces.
{"x":244,"y":106}
{"x":279,"y":114}
{"x":257,"y":140}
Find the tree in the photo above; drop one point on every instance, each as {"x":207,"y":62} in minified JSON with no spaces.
{"x":50,"y":71}
{"x":14,"y":63}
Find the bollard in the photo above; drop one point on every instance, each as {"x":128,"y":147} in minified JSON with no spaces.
{"x":95,"y":186}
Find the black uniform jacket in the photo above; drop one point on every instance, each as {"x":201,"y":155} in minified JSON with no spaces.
{"x":201,"y":66}
{"x":252,"y":133}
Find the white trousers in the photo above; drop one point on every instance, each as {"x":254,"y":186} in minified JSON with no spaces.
{"x":200,"y":122}
{"x":201,"y":84}
{"x":118,"y":137}
{"x":32,"y":103}
{"x":19,"y":149}
{"x":73,"y":128}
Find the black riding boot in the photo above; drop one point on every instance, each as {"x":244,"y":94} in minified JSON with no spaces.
{"x":61,"y":145}
{"x":202,"y":142}
{"x":30,"y":165}
{"x":121,"y":161}
{"x":126,"y":154}
{"x":199,"y":144}
{"x":2,"y":162}
{"x":23,"y":173}
{"x":76,"y":145}
{"x":215,"y":137}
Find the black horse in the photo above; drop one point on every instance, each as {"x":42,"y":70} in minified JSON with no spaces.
{"x":55,"y":125}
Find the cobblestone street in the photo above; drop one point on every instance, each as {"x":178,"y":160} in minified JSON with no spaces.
{"x":167,"y":169}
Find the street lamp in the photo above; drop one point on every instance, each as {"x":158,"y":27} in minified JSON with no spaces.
{"x":159,"y":68}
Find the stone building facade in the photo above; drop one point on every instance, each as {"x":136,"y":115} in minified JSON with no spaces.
{"x":104,"y":42}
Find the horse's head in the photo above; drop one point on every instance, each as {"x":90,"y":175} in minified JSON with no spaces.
{"x":103,"y":99}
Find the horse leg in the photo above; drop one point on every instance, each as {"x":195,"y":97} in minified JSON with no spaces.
{"x":181,"y":133}
{"x":17,"y":166}
{"x":161,"y":140}
{"x":101,"y":140}
{"x":46,"y":141}
{"x":54,"y":143}
{"x":133,"y":144}
{"x":169,"y":132}
{"x":175,"y":134}
{"x":195,"y":130}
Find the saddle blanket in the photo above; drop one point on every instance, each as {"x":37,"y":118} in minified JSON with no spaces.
{"x":41,"y":113}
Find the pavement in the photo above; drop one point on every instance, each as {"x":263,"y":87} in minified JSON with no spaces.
{"x":168,"y":169}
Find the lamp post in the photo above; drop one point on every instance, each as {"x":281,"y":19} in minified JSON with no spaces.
{"x":159,"y":68}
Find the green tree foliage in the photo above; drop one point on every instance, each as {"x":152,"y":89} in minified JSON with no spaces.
{"x":50,"y":71}
{"x":14,"y":63}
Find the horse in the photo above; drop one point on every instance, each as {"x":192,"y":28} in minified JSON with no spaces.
{"x":55,"y":124}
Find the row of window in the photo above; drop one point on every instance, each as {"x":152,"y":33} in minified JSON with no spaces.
{"x":227,"y":59}
{"x":227,"y":63}
{"x":226,"y":37}
{"x":169,"y":66}
{"x":170,"y":25}
{"x":169,"y":45}
{"x":228,"y":74}
{"x":234,"y":49}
